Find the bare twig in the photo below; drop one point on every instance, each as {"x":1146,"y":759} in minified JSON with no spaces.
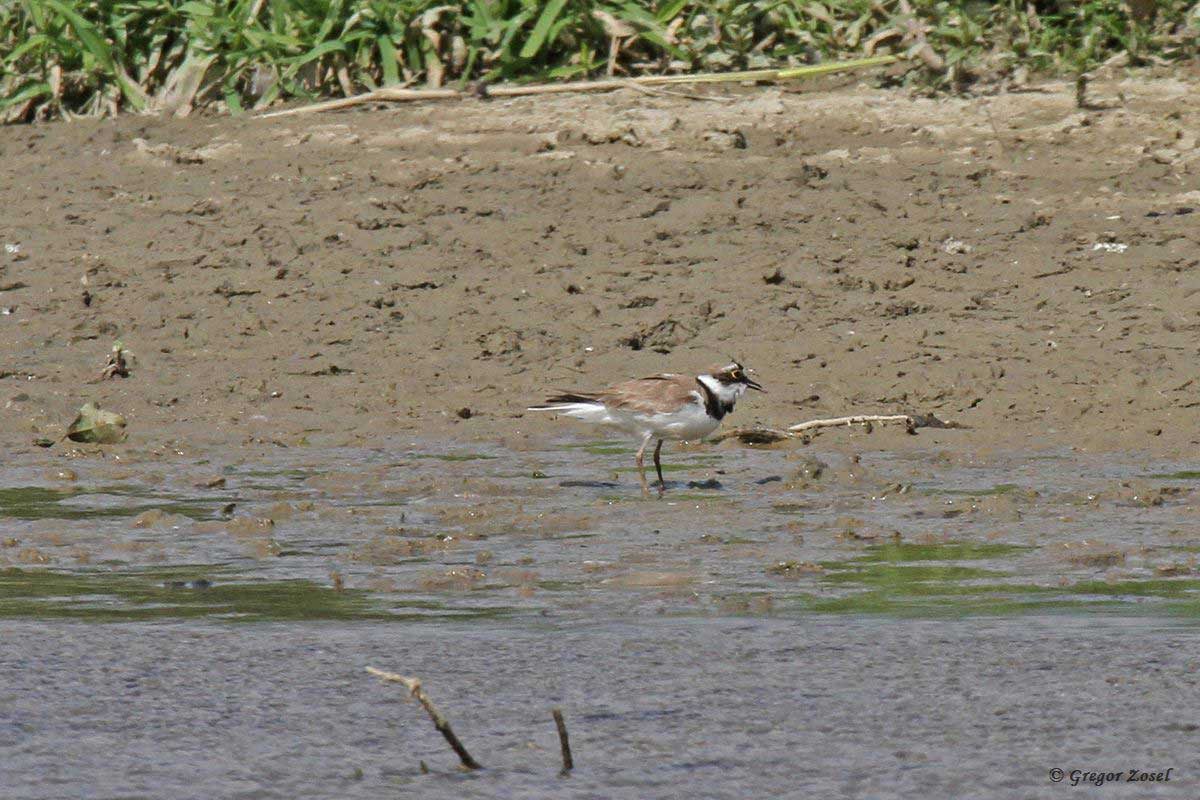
{"x":563,"y":741}
{"x":440,"y":722}
{"x":860,"y":419}
{"x":399,"y":95}
{"x":806,"y":430}
{"x":386,"y":94}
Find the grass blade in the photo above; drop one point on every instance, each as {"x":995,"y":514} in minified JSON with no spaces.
{"x":87,"y":34}
{"x":541,"y":28}
{"x":670,"y":11}
{"x":387,"y":55}
{"x":27,"y":92}
{"x":324,"y":48}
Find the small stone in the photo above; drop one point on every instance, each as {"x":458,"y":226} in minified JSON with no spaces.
{"x":726,"y":140}
{"x":954,"y":246}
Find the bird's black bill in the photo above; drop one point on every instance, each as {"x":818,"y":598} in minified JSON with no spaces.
{"x":753,"y":385}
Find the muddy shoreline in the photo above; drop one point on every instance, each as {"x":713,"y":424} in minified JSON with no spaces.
{"x":1013,"y":263}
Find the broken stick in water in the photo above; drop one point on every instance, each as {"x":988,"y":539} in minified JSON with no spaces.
{"x":563,"y":741}
{"x":440,"y":722}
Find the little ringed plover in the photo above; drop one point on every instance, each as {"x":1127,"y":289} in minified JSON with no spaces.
{"x":661,"y":407}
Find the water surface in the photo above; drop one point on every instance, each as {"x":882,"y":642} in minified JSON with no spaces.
{"x":883,"y":625}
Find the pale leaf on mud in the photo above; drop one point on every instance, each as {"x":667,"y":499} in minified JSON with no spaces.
{"x":96,"y":426}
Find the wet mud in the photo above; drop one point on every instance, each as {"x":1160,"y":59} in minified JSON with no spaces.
{"x":1013,"y":263}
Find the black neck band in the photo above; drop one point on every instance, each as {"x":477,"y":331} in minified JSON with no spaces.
{"x":712,"y":404}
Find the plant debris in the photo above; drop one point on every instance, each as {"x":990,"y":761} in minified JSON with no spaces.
{"x":119,"y":360}
{"x":96,"y":426}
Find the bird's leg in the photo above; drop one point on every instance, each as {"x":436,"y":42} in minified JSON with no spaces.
{"x":641,"y":465}
{"x":662,"y":484}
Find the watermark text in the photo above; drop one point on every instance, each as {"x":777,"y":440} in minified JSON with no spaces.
{"x":1089,"y":777}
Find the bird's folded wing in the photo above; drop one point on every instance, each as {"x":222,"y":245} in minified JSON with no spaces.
{"x":654,"y":395}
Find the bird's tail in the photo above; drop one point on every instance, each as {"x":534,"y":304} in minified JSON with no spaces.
{"x":565,"y":401}
{"x":586,"y":407}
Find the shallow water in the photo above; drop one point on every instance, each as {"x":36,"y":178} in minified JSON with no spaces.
{"x":882,"y":625}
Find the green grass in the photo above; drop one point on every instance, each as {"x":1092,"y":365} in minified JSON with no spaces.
{"x":99,"y":56}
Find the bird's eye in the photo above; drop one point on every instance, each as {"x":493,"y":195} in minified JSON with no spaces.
{"x":736,"y":374}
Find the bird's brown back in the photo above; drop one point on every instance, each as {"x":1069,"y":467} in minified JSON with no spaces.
{"x":653,"y":395}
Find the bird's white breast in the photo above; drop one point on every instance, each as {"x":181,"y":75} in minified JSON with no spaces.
{"x":690,"y":421}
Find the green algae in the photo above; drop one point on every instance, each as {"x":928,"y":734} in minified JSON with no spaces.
{"x":36,"y":502}
{"x":925,"y":581}
{"x":945,"y":551}
{"x":199,"y":592}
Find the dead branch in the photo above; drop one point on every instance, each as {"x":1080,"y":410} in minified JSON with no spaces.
{"x":400,"y":95}
{"x":440,"y":722}
{"x":806,"y":430}
{"x":384,"y":95}
{"x":861,"y":419}
{"x":563,"y":741}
